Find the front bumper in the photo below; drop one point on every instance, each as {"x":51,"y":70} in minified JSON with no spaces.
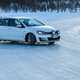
{"x":49,"y":39}
{"x":54,"y":39}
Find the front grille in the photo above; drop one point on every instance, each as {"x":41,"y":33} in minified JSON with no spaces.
{"x":52,"y":32}
{"x":50,"y":38}
{"x":48,"y":32}
{"x":57,"y":32}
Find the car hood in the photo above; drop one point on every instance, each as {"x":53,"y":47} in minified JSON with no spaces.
{"x":43,"y":28}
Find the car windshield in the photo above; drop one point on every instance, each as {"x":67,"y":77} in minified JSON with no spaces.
{"x":31,"y":22}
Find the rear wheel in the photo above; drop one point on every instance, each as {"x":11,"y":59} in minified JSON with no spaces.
{"x":31,"y":39}
{"x":50,"y":43}
{"x":13,"y":42}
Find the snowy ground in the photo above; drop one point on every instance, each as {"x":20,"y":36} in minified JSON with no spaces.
{"x":56,"y":62}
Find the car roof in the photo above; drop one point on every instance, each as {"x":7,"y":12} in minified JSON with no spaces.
{"x":15,"y":17}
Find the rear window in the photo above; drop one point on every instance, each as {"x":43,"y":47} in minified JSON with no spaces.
{"x":3,"y":22}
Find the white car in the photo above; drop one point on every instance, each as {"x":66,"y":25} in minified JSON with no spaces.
{"x":28,"y":30}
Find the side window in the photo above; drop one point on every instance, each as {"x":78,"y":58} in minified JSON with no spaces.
{"x":13,"y":22}
{"x":3,"y":22}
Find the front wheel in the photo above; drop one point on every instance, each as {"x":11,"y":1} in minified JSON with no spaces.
{"x":31,"y":39}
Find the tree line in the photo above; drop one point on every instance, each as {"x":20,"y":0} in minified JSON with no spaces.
{"x":40,"y":5}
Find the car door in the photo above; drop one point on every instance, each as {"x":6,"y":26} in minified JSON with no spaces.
{"x":3,"y":29}
{"x":16,"y":31}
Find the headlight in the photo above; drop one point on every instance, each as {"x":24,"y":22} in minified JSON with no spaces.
{"x":53,"y":32}
{"x":40,"y":32}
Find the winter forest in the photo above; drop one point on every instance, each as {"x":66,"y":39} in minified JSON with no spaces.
{"x":40,"y":5}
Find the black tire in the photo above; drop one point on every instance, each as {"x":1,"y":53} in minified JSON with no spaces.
{"x":51,"y":43}
{"x":14,"y":42}
{"x":31,"y":39}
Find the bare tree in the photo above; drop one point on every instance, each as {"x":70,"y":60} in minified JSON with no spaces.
{"x":41,"y":5}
